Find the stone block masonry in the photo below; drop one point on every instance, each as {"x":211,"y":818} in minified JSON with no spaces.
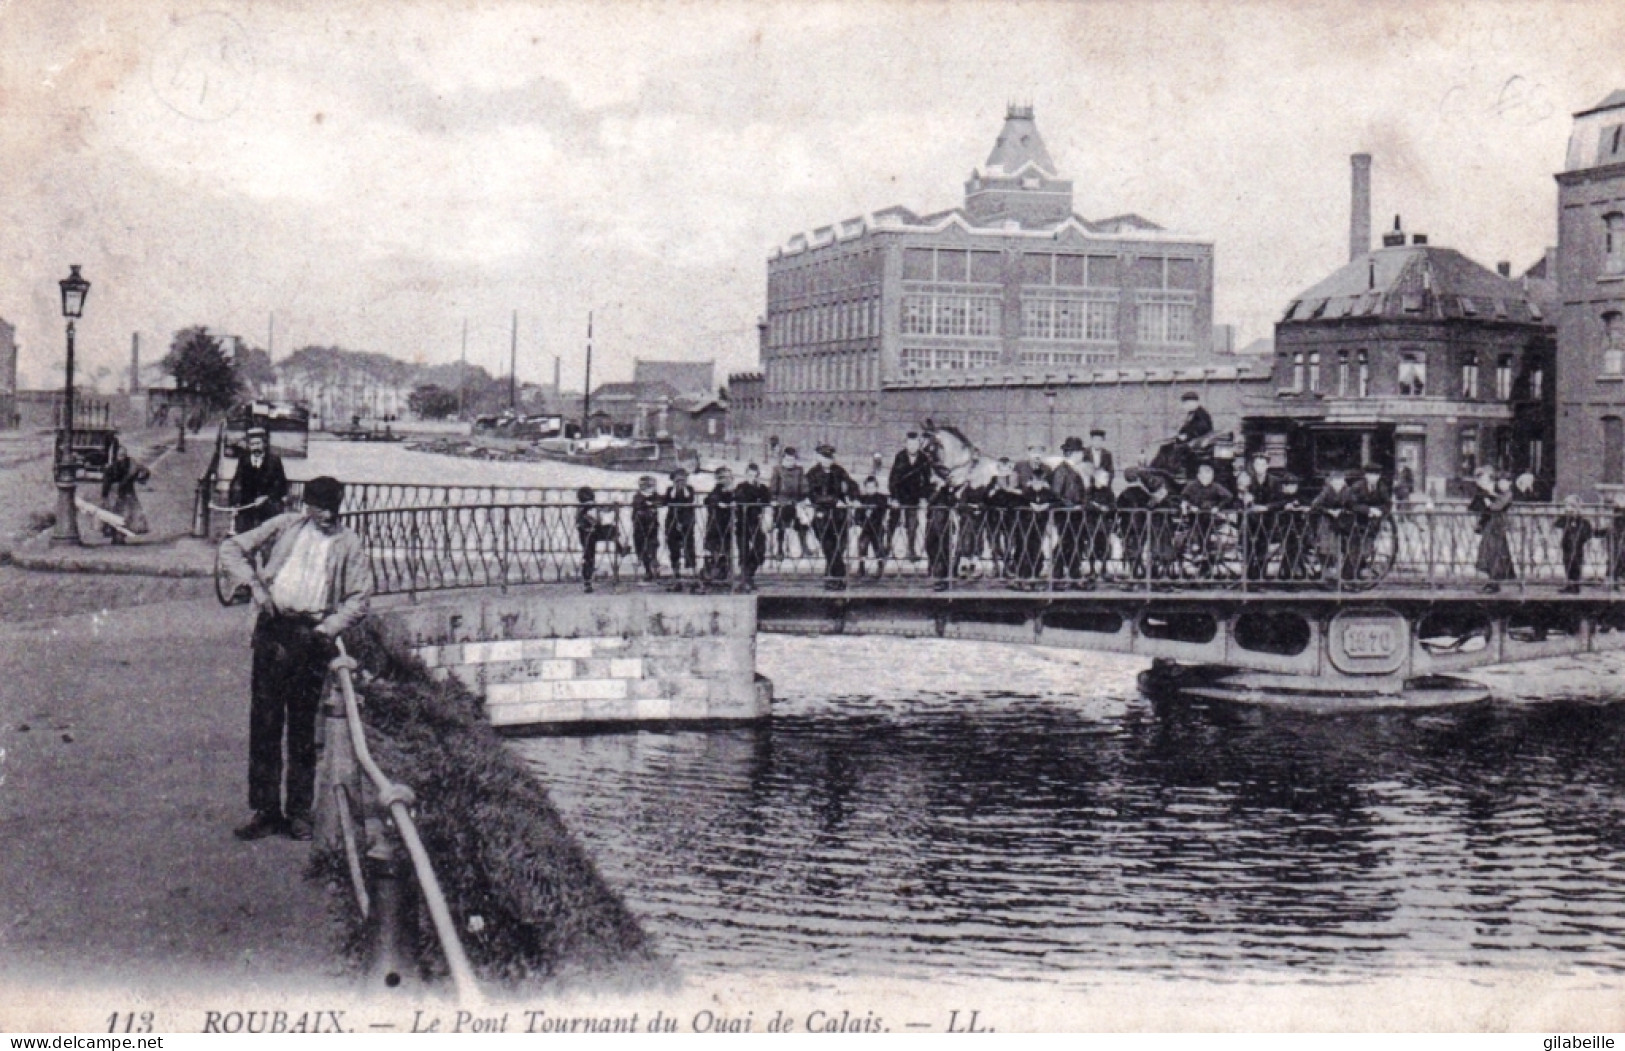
{"x":539,"y":658}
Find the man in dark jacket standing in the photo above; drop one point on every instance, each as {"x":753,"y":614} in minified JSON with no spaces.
{"x":751,"y":501}
{"x":1099,"y":458}
{"x":1070,"y":487}
{"x":680,"y":523}
{"x":908,"y":485}
{"x":831,"y":491}
{"x":1192,"y":434}
{"x":260,"y":486}
{"x":719,"y":528}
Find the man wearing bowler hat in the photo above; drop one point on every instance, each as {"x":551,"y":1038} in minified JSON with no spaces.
{"x":260,"y":485}
{"x":1099,"y":457}
{"x":315,"y":584}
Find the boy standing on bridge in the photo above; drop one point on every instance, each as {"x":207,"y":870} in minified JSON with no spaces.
{"x":315,"y":584}
{"x":646,"y":527}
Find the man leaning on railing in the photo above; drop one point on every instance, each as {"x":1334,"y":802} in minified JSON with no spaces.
{"x":315,"y":584}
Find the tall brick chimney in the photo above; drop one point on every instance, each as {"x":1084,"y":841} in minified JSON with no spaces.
{"x":135,"y":363}
{"x":1360,"y":206}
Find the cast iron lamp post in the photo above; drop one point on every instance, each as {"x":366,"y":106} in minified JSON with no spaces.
{"x":74,"y":290}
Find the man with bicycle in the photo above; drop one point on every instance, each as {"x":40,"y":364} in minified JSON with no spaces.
{"x":315,"y":584}
{"x":260,"y":485}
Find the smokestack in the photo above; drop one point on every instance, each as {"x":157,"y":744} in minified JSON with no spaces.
{"x":556,"y":374}
{"x":1360,"y":206}
{"x":135,"y":363}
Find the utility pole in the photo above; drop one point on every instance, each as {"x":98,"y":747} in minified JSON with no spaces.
{"x":586,"y":391}
{"x":513,"y":365}
{"x":462,"y":373}
{"x":270,"y":337}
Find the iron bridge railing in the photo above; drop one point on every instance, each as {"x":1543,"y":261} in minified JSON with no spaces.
{"x":508,"y":543}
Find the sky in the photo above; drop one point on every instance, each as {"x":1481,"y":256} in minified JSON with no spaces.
{"x":373,"y":174}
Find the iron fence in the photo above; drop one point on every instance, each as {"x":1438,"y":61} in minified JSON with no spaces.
{"x":986,"y":547}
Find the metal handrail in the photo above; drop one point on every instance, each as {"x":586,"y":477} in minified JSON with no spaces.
{"x":398,"y":798}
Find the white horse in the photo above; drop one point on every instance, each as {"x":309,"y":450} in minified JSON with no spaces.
{"x":956,"y":458}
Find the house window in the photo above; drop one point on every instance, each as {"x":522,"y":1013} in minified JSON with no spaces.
{"x":1613,"y":450}
{"x":1342,"y":374}
{"x":1413,"y":374}
{"x":1314,"y":371}
{"x":1537,"y":383}
{"x":1469,"y":377}
{"x":1469,"y":451}
{"x":1364,"y":375}
{"x":1503,"y":378}
{"x":1297,"y":371}
{"x":1613,"y":344}
{"x":1537,"y":456}
{"x":1613,"y":243}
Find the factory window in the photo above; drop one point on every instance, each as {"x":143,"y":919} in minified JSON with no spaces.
{"x":1469,"y":377}
{"x":985,"y":268}
{"x":917,"y":264}
{"x":1068,"y":320}
{"x":1101,"y":322}
{"x":1069,"y":270}
{"x":1469,"y":451}
{"x":1342,"y":374}
{"x":951,"y":315}
{"x":984,"y":359}
{"x":1503,"y":378}
{"x":1182,"y":273}
{"x":1036,"y":268}
{"x":916,"y":315}
{"x":1613,"y":344}
{"x":1413,"y":374}
{"x":1365,"y":374}
{"x":1103,"y":271}
{"x":952,"y":265}
{"x":1314,"y":371}
{"x":1036,"y":319}
{"x":982,"y":312}
{"x":1182,"y":324}
{"x":1613,"y":450}
{"x":1613,"y":243}
{"x":915,"y":359}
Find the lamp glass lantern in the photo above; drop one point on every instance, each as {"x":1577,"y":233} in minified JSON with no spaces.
{"x":74,"y":290}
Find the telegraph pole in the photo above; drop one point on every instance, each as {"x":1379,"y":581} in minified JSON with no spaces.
{"x":462,"y":373}
{"x":513,"y":365}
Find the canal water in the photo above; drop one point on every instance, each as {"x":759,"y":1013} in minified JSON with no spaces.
{"x":936,"y":810}
{"x":943,"y":810}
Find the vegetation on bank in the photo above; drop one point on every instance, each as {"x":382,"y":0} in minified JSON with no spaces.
{"x":529,"y":902}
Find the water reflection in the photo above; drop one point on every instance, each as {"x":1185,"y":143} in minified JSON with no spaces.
{"x":1047,"y":836}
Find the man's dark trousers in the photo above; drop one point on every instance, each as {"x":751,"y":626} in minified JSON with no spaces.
{"x":290,"y":666}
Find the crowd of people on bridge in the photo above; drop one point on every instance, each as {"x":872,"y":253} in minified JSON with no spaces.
{"x":1043,"y":522}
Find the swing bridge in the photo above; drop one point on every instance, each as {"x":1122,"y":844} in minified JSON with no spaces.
{"x":1284,"y":611}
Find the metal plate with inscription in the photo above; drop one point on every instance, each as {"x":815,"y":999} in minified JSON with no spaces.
{"x":1368,"y":642}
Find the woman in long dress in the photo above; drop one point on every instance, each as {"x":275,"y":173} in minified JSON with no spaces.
{"x":1490,"y":503}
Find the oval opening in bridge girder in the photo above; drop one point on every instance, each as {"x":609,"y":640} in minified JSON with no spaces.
{"x":1180,"y":626}
{"x":1281,"y":633}
{"x":991,"y":616}
{"x":1097,"y":621}
{"x":1453,"y":631}
{"x":1539,"y":624}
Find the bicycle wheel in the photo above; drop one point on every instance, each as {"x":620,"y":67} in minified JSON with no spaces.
{"x":1380,"y":547}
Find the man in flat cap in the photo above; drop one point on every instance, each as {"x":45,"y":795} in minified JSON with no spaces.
{"x":908,"y":485}
{"x":260,"y":485}
{"x":831,"y":491}
{"x":315,"y":584}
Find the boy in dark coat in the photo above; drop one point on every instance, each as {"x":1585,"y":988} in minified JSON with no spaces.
{"x":646,"y":527}
{"x":871,"y":518}
{"x":1576,"y":534}
{"x":939,"y":532}
{"x":591,"y":529}
{"x":752,"y":500}
{"x":719,"y":527}
{"x":679,"y":503}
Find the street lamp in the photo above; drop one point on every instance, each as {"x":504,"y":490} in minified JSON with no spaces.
{"x":74,"y":291}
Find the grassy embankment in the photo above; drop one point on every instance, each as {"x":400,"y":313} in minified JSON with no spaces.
{"x":500,"y":849}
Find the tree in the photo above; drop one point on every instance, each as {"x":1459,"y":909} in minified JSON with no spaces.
{"x":254,"y":368}
{"x":430,"y":401}
{"x":201,"y":369}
